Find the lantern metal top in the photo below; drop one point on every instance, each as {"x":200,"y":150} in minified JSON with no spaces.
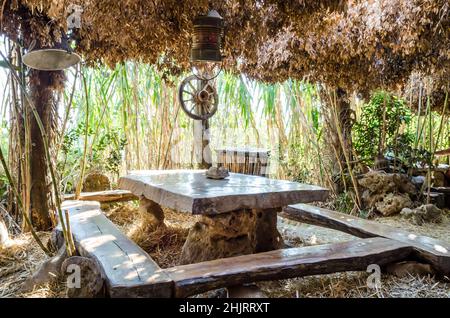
{"x":51,"y":59}
{"x":212,"y":19}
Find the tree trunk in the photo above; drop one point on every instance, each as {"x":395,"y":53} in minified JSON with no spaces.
{"x":336,"y":151}
{"x":344,"y":113}
{"x":42,"y":88}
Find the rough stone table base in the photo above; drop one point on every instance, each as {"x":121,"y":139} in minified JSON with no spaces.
{"x":267,"y":236}
{"x":231,"y":234}
{"x":147,"y":206}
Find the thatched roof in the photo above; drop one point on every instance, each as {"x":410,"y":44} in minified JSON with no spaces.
{"x":358,"y":45}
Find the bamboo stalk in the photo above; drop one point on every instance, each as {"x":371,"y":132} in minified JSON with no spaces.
{"x":19,"y":202}
{"x":86,"y":132}
{"x":71,"y":243}
{"x":347,"y":159}
{"x":45,"y":141}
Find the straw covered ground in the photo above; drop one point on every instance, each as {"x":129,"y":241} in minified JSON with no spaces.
{"x":21,"y":257}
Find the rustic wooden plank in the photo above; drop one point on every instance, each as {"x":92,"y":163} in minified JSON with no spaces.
{"x":286,"y":263}
{"x":191,"y":191}
{"x":431,"y":250}
{"x":104,"y":196}
{"x":128,"y":270}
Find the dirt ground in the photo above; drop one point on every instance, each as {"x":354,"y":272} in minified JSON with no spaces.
{"x":22,"y":257}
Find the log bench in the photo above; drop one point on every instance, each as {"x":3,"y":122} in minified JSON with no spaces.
{"x":104,"y":196}
{"x":128,"y":271}
{"x":286,"y":263}
{"x":433,"y":251}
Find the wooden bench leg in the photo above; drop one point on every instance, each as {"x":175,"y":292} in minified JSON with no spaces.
{"x":153,"y":208}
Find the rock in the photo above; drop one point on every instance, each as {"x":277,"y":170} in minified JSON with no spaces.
{"x":219,"y":236}
{"x":389,"y":193}
{"x":427,"y":213}
{"x":96,"y":182}
{"x":418,"y":181}
{"x":217,"y":173}
{"x":377,"y":182}
{"x":409,"y":268}
{"x":84,"y":279}
{"x":404,"y":184}
{"x":393,"y":204}
{"x":152,"y":208}
{"x":4,"y":235}
{"x":49,"y":271}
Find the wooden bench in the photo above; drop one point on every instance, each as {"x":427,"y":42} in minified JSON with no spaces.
{"x":286,"y":263}
{"x":128,"y":270}
{"x":104,"y":196}
{"x":433,"y":251}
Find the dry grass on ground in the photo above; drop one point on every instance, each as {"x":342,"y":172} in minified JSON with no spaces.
{"x":354,"y":285}
{"x":19,"y":260}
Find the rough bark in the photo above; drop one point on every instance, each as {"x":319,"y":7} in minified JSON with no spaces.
{"x":336,"y":151}
{"x":42,"y":88}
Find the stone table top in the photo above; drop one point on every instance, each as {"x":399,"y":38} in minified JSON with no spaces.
{"x":191,"y":191}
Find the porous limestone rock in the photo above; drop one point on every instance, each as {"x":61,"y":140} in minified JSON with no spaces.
{"x":151,"y":208}
{"x":96,"y":182}
{"x":393,"y":203}
{"x":219,"y":236}
{"x":427,"y":213}
{"x":389,"y":193}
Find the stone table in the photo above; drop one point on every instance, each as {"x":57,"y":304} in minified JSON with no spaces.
{"x":238,"y":215}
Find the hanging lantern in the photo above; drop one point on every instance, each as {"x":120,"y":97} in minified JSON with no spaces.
{"x":206,"y":55}
{"x":56,"y":58}
{"x":208,"y":32}
{"x":197,"y":94}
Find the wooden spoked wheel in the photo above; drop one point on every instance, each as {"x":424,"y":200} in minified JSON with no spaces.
{"x":198,"y":98}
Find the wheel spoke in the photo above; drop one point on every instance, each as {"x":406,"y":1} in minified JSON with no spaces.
{"x":192,"y":86}
{"x":186,"y":91}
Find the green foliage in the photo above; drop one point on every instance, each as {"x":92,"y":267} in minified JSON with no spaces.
{"x":404,"y":152}
{"x":293,"y":163}
{"x":105,"y":155}
{"x":344,"y":202}
{"x":384,"y":112}
{"x":3,"y":185}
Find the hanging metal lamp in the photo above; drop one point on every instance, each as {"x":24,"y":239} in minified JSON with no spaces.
{"x":56,"y":58}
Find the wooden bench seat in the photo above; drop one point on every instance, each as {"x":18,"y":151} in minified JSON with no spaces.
{"x":431,"y":250}
{"x":286,"y":263}
{"x":127,"y":269}
{"x":104,"y":196}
